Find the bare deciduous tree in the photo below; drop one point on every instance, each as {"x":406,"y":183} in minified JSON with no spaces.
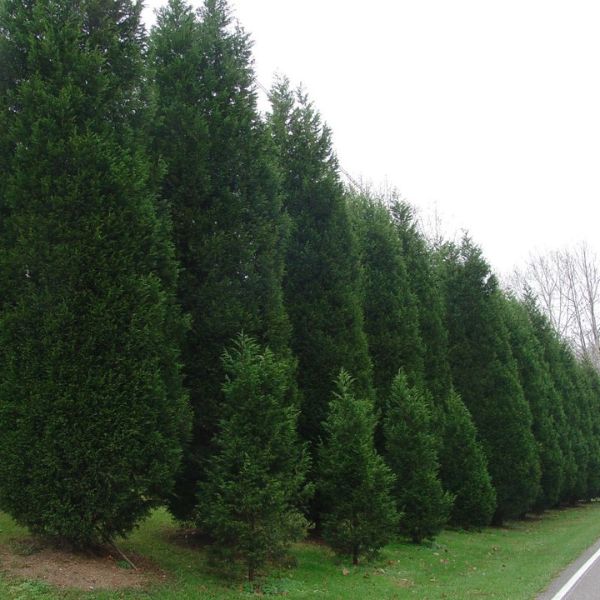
{"x":567,"y":286}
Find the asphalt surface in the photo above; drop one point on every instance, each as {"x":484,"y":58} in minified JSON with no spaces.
{"x":587,"y":585}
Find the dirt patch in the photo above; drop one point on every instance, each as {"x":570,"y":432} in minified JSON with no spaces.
{"x":28,"y":559}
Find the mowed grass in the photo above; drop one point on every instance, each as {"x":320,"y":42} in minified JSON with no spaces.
{"x":513,"y":562}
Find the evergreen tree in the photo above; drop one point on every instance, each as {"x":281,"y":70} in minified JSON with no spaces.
{"x":391,"y":319}
{"x":256,"y":478}
{"x":223,"y":190}
{"x":578,"y":419}
{"x":591,"y":380}
{"x":92,"y":413}
{"x":558,"y":386}
{"x":411,"y":453}
{"x":485,"y":375}
{"x":424,"y":282}
{"x":536,"y":380}
{"x":354,"y":482}
{"x":463,"y":468}
{"x":321,"y":282}
{"x":467,"y":478}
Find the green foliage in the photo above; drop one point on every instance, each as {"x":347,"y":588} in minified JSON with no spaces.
{"x":424,"y":282}
{"x":464,"y":465}
{"x":256,"y":478}
{"x":92,"y":413}
{"x":559,"y":386}
{"x":321,"y":283}
{"x":354,"y":483}
{"x":411,"y":453}
{"x":486,"y":377}
{"x":223,"y":191}
{"x":537,"y":384}
{"x":391,"y":318}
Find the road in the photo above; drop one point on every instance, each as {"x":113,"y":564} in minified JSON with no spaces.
{"x":579,"y":581}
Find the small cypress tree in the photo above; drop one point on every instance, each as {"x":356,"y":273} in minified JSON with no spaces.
{"x":256,"y":478}
{"x":354,"y":483}
{"x":411,"y":453}
{"x":468,"y":478}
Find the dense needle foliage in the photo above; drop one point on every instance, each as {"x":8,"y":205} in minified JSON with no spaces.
{"x":355,"y":484}
{"x":92,"y":414}
{"x":256,"y":477}
{"x":149,"y":213}
{"x":223,"y":192}
{"x":411,"y":453}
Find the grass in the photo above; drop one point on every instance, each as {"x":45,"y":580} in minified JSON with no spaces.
{"x":513,"y":562}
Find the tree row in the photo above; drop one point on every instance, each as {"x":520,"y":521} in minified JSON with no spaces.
{"x":195,"y":311}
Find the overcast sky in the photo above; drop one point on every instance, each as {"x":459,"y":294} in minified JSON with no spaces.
{"x":487,"y":110}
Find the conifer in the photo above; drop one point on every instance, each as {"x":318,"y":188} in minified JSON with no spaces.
{"x":223,"y":190}
{"x":354,"y":483}
{"x":256,"y":478}
{"x":391,"y":318}
{"x":411,"y":453}
{"x":92,"y":413}
{"x":322,"y":277}
{"x":485,"y":375}
{"x":464,"y":466}
{"x":536,"y":382}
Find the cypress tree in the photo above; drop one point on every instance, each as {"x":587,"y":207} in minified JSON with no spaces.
{"x":463,"y":468}
{"x":354,"y":483}
{"x":92,"y":413}
{"x":485,"y":375}
{"x":536,"y":380}
{"x":591,"y":381}
{"x":467,"y":479}
{"x":223,"y":189}
{"x":411,"y":453}
{"x":578,"y":418}
{"x":558,"y":385}
{"x":424,"y":282}
{"x":391,"y":319}
{"x":321,"y":282}
{"x":256,"y":478}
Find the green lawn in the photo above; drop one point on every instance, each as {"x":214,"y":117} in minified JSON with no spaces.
{"x":512,"y":562}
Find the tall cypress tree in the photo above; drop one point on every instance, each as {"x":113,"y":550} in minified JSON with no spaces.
{"x":559,"y":385}
{"x":92,"y":413}
{"x":591,"y":382}
{"x":463,"y":468}
{"x":321,"y":283}
{"x":391,"y":318}
{"x":223,"y":189}
{"x":485,"y":375}
{"x":424,"y":282}
{"x":536,"y":380}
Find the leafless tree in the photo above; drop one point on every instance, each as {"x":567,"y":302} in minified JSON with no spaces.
{"x":567,"y":285}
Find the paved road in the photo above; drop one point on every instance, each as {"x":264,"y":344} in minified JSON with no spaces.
{"x":579,"y":581}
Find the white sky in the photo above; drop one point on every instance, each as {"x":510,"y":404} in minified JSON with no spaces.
{"x":487,"y":110}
